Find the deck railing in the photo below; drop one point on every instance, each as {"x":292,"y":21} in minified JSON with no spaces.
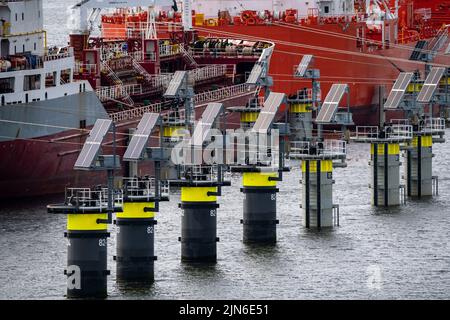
{"x":201,"y":98}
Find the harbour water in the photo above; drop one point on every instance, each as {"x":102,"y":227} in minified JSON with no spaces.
{"x":375,"y":253}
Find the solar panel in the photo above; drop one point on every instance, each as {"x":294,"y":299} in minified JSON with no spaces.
{"x":91,"y":146}
{"x":140,"y":138}
{"x":430,"y":85}
{"x":440,"y":41}
{"x":398,"y":90}
{"x":204,"y":125}
{"x":447,"y":51}
{"x":331,"y":103}
{"x":175,"y":84}
{"x":303,"y":66}
{"x":420,"y":45}
{"x":268,"y":112}
{"x":255,"y":74}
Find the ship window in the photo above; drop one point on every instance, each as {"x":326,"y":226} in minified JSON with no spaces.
{"x":32,"y":82}
{"x":3,"y":100}
{"x":23,"y":16}
{"x":82,"y":124}
{"x":16,"y":16}
{"x":15,"y":49}
{"x":7,"y":85}
{"x":65,"y":76}
{"x":35,"y":46}
{"x":46,"y":95}
{"x":326,"y":9}
{"x":50,"y":79}
{"x":23,"y":48}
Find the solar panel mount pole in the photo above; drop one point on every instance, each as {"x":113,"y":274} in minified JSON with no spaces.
{"x":110,"y":186}
{"x":189,"y":103}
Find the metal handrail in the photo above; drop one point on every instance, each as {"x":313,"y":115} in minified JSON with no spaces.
{"x":330,"y":147}
{"x":135,"y":112}
{"x":367,"y":132}
{"x":221,"y":93}
{"x":118,"y":91}
{"x":433,"y":125}
{"x":201,"y":98}
{"x":138,"y":187}
{"x":400,"y":132}
{"x":91,"y":198}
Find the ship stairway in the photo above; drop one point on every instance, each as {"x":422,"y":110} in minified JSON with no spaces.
{"x":159,"y":81}
{"x":188,"y":58}
{"x":112,"y":77}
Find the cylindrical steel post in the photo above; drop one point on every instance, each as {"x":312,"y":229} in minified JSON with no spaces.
{"x":135,"y":242}
{"x":86,"y":256}
{"x":199,"y":224}
{"x":260,"y":207}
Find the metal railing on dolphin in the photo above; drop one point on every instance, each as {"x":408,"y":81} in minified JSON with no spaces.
{"x":87,"y":198}
{"x":144,"y":187}
{"x":328,"y":148}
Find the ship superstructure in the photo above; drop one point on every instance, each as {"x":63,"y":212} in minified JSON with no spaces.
{"x":51,"y":97}
{"x":364,"y":42}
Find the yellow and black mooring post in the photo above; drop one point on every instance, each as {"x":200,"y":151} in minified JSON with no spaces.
{"x":317,"y":165}
{"x":135,"y":252}
{"x":385,"y":163}
{"x":135,"y":241}
{"x":199,"y":222}
{"x":201,"y":183}
{"x":87,"y":234}
{"x":260,"y":206}
{"x":317,"y":182}
{"x":89,"y":211}
{"x":419,"y":173}
{"x":385,"y":145}
{"x":259,"y":177}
